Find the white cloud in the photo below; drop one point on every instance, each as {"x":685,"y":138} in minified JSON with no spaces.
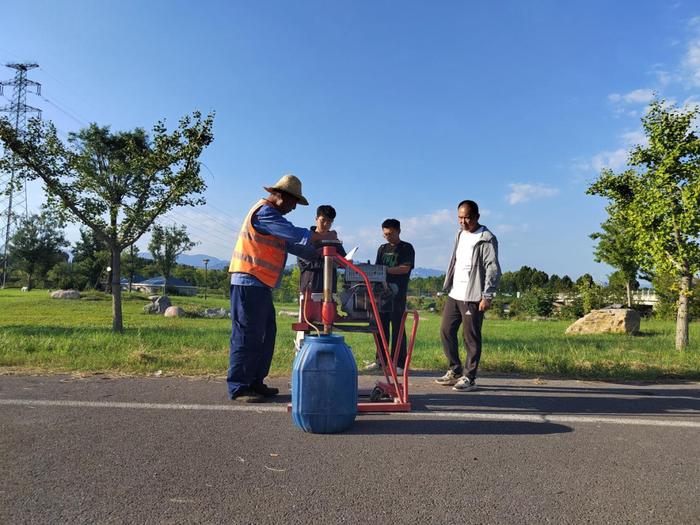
{"x":422,"y":224}
{"x":616,"y":159}
{"x":691,"y":60}
{"x":506,"y":229}
{"x":431,"y":234}
{"x":637,"y":96}
{"x":613,"y":160}
{"x":633,"y":138}
{"x":527,"y":192}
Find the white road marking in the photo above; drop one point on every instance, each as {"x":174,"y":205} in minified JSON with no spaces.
{"x":476,"y":416}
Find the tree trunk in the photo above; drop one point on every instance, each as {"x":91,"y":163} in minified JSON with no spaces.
{"x":629,"y":294}
{"x":117,"y":325}
{"x":682,"y":316}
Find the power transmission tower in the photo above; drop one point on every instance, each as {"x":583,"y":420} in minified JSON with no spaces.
{"x":17,"y":110}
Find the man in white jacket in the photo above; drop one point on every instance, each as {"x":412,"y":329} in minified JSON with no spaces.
{"x":470,"y":283}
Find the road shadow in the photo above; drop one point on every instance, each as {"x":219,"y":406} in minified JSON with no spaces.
{"x":374,"y":426}
{"x":586,"y":401}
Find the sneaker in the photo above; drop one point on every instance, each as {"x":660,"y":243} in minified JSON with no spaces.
{"x":249,"y":396}
{"x":465,"y":384}
{"x":373,"y":366}
{"x":265,"y":390}
{"x":449,"y":379}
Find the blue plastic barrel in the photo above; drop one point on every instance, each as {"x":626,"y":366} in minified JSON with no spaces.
{"x":324,"y":385}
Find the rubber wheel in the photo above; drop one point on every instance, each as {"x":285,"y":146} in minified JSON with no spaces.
{"x":376,"y":395}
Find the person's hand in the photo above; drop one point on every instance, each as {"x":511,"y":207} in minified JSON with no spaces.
{"x":330,"y":235}
{"x":485,"y":304}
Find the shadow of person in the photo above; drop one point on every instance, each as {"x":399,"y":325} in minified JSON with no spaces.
{"x":375,"y":426}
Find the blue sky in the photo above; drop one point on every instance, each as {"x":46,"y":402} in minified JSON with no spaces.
{"x":382,"y":108}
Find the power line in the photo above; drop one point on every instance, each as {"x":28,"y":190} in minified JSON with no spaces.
{"x":224,"y":242}
{"x":65,"y":112}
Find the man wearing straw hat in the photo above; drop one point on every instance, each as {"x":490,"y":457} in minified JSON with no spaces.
{"x":257,"y":264}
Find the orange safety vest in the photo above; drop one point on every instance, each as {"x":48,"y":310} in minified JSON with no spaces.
{"x":260,"y":255}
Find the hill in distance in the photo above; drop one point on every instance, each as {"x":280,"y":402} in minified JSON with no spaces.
{"x":196,"y":260}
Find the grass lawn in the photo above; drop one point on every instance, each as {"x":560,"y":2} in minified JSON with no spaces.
{"x":40,"y":334}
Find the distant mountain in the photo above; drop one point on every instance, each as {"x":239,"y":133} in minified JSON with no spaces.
{"x":426,"y":272}
{"x":196,"y":260}
{"x":219,"y":264}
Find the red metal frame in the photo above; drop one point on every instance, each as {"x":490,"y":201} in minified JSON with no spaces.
{"x":396,"y":390}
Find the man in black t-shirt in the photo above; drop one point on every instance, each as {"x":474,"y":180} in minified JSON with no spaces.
{"x":399,"y":258}
{"x":311,"y":272}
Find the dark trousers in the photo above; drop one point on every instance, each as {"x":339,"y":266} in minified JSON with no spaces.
{"x":253,"y":332}
{"x":468,"y":315}
{"x":393,"y":320}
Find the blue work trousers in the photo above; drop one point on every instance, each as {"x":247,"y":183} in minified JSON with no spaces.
{"x":253,"y":332}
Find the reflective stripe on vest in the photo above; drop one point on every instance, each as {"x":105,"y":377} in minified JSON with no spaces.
{"x":259,"y":255}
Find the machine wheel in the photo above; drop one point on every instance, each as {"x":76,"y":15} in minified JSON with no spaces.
{"x":375,"y":396}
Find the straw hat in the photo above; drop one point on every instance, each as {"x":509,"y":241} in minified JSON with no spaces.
{"x":289,"y":184}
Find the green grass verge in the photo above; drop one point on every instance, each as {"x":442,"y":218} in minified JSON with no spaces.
{"x":48,"y":335}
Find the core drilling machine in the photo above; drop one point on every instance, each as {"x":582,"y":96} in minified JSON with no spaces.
{"x":365,"y":298}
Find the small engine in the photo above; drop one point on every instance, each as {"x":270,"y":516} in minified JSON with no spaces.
{"x":354,"y":297}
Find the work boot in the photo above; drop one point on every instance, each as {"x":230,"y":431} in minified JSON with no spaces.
{"x":249,"y":395}
{"x":265,"y":390}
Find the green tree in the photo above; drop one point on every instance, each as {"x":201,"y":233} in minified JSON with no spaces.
{"x":90,"y":259}
{"x":659,"y":198}
{"x":508,"y":285}
{"x":566,"y":283}
{"x":288,"y":290}
{"x":620,"y":288}
{"x":188,"y":273}
{"x":616,"y":247}
{"x":116,"y":184}
{"x":62,"y":276}
{"x":167,"y":242}
{"x":132,"y":264}
{"x":536,"y":302}
{"x":35,"y":247}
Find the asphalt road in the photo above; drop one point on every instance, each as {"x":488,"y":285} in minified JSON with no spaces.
{"x":174,"y":450}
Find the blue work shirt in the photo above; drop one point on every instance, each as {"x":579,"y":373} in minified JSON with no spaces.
{"x":268,"y":220}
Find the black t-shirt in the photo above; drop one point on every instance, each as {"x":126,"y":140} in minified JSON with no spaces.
{"x":312,"y":271}
{"x":391,"y":256}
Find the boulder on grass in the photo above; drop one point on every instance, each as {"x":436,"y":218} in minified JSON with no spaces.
{"x":162,"y":303}
{"x":65,"y":294}
{"x":159,"y":304}
{"x":215,"y":313}
{"x":174,"y":311}
{"x":150,"y":308}
{"x":607,"y":321}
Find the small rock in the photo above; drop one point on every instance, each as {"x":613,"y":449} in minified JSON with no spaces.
{"x":162,"y":304}
{"x":65,"y":294}
{"x":174,"y":311}
{"x":215,"y":313}
{"x":150,"y":308}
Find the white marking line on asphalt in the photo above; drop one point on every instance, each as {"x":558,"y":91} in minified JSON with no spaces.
{"x":532,"y":418}
{"x":156,"y":406}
